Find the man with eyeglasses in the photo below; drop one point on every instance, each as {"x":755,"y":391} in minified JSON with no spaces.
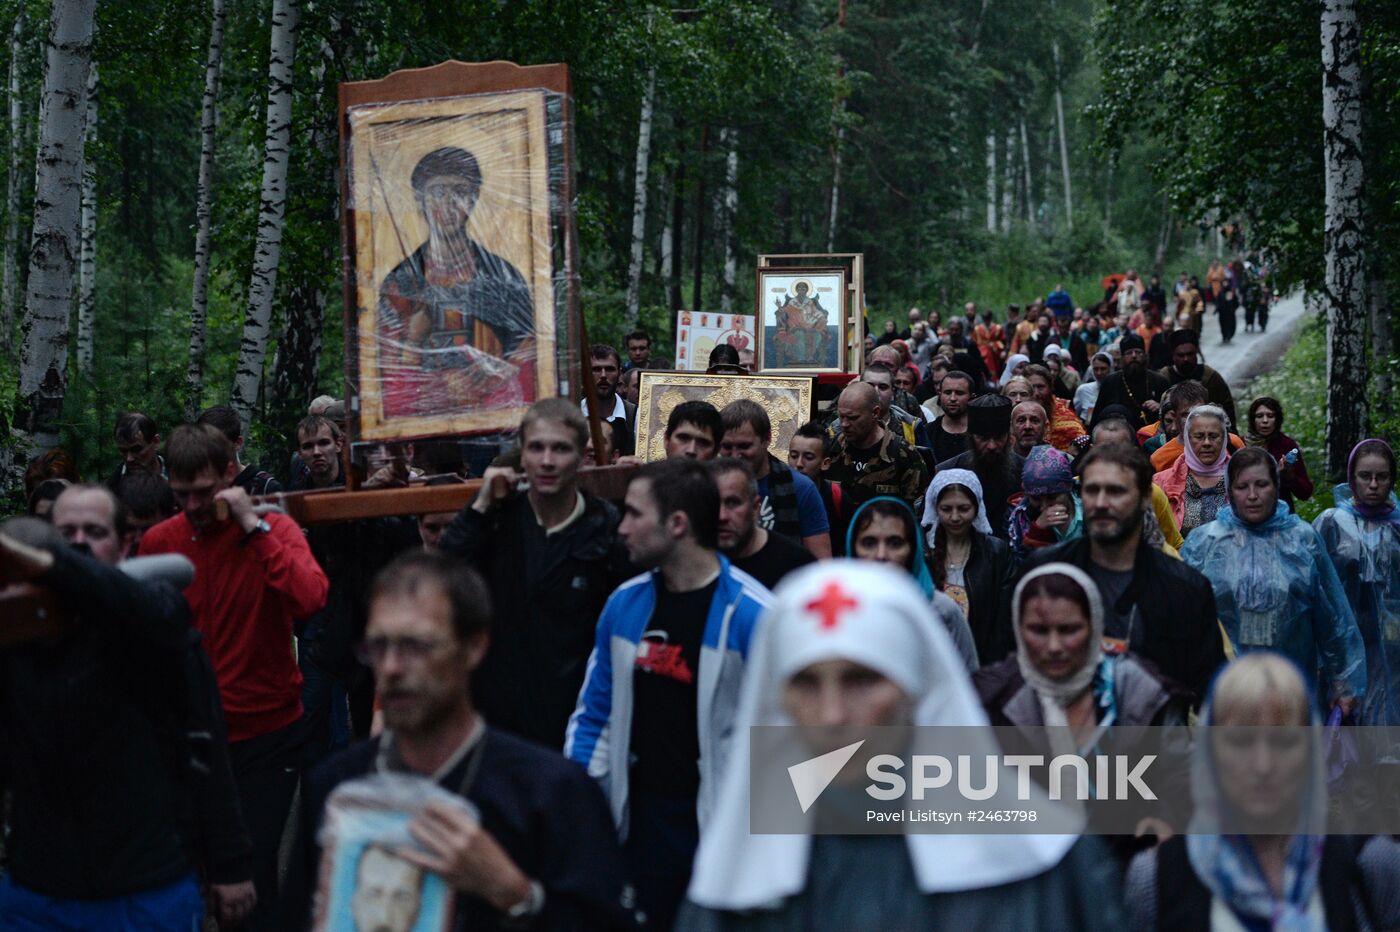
{"x":254,"y":577}
{"x":542,"y":853}
{"x":138,"y":442}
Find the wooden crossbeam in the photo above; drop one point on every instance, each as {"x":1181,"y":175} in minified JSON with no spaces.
{"x":317,"y":507}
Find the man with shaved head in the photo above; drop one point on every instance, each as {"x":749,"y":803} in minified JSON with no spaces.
{"x":872,"y":461}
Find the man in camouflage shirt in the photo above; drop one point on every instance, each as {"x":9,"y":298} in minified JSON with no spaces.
{"x":873,"y":461}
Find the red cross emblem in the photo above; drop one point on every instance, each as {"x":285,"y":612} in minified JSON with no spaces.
{"x":832,"y":603}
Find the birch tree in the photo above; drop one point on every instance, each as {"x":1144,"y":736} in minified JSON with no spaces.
{"x":262,"y":284}
{"x":729,"y":138}
{"x":639,"y":201}
{"x":991,"y":183}
{"x":1344,"y":290}
{"x":1026,"y":170}
{"x":87,"y":210}
{"x":1064,"y":145}
{"x":53,"y":249}
{"x":299,"y":351}
{"x":12,"y":190}
{"x":204,"y":195}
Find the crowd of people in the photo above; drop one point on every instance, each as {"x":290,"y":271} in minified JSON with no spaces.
{"x":1055,"y":520}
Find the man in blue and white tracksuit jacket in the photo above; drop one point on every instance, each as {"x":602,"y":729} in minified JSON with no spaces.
{"x":656,"y":712}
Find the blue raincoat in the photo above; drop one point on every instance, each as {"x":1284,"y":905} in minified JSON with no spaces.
{"x":1366,"y":554}
{"x":1275,"y":588}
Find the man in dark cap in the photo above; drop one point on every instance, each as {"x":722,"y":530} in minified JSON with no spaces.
{"x":1134,"y":386}
{"x":990,"y":456}
{"x":1186,"y":350}
{"x":455,"y":320}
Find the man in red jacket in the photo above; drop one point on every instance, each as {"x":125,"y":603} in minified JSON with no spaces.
{"x":254,"y":575}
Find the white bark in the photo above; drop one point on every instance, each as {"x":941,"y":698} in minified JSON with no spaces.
{"x":53,"y":249}
{"x":1026,"y":166}
{"x":991,"y":183}
{"x":87,"y":258}
{"x":835,"y":204}
{"x":1344,"y":288}
{"x":204,"y":194}
{"x":639,"y":201}
{"x":12,"y":191}
{"x":665,"y":251}
{"x":1008,"y":182}
{"x":1064,"y":146}
{"x":262,"y":284}
{"x":730,"y":138}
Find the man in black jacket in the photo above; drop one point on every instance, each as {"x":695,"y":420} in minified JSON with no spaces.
{"x":541,"y":852}
{"x":1135,"y":386}
{"x":550,"y":557}
{"x":1154,"y":605}
{"x":98,"y":745}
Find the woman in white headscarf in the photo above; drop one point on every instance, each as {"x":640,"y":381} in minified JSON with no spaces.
{"x":1086,"y":396}
{"x":1257,"y":856}
{"x":967,"y":563}
{"x":1061,"y":674}
{"x":849,"y":645}
{"x":1013,"y":366}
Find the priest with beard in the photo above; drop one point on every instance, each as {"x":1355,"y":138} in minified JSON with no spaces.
{"x":1134,"y":386}
{"x":1186,"y":349}
{"x":991,"y":457}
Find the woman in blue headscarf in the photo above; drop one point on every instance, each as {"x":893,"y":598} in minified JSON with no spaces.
{"x":1362,"y":536}
{"x":1275,"y":587}
{"x":1049,"y":512}
{"x":1257,"y":856}
{"x":884,"y":530}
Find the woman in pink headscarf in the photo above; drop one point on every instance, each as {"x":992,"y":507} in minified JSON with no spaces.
{"x":1195,"y":483}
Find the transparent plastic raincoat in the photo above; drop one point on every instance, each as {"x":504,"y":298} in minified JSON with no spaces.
{"x":1276,"y":588}
{"x":1366,"y":554}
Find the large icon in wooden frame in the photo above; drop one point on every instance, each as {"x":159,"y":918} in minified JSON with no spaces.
{"x":788,"y":399}
{"x":457,"y":252}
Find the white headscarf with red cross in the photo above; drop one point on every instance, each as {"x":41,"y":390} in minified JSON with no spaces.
{"x":870,"y":614}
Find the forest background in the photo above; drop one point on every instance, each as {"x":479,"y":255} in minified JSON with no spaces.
{"x":973,"y":150}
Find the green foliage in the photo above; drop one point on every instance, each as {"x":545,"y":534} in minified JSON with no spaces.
{"x":914,"y":89}
{"x":1232,"y":107}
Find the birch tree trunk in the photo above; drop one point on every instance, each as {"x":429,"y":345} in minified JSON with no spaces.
{"x":1164,"y":238}
{"x":1008,"y":182}
{"x":991,"y":183}
{"x":639,"y":201}
{"x":1026,"y":164}
{"x":262,"y":285}
{"x":730,"y":139}
{"x":299,"y":352}
{"x":12,"y":192}
{"x":53,"y":249}
{"x":1344,"y":289}
{"x":835,"y":204}
{"x":87,"y":209}
{"x":204,"y":195}
{"x":1064,"y":146}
